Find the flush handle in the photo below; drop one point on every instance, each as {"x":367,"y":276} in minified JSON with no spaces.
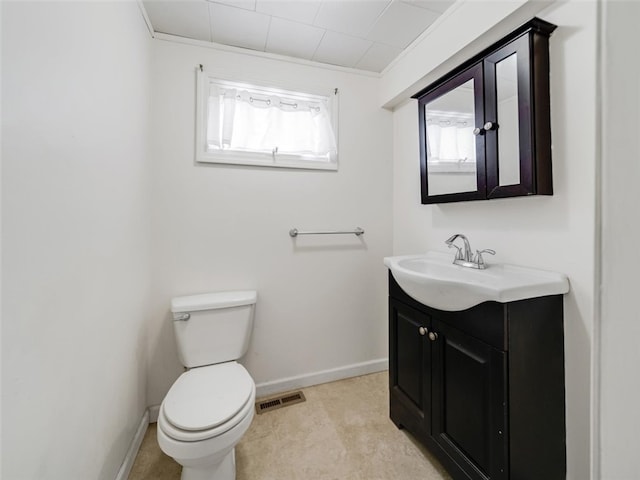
{"x":422,"y":330}
{"x":181,"y":317}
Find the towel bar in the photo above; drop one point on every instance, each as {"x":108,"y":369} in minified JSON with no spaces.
{"x":294,"y":232}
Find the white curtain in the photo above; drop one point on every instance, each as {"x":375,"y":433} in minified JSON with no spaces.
{"x":450,"y":141}
{"x":255,"y":121}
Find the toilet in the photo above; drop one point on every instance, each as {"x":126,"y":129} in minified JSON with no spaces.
{"x":211,"y":405}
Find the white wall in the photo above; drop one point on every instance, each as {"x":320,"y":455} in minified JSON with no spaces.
{"x":321,"y":300}
{"x":555,"y":233}
{"x":619,"y":320}
{"x":75,"y":222}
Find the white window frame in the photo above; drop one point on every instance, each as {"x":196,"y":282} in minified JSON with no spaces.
{"x":259,"y":158}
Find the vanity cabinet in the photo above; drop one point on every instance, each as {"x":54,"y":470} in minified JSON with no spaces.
{"x":485,"y":127}
{"x":482,"y":388}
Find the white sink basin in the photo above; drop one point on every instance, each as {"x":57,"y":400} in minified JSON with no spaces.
{"x":433,"y":280}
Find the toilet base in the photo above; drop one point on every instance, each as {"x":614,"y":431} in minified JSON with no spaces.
{"x":225,"y":470}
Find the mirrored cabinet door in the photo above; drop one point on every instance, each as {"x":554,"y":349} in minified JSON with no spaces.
{"x":519,"y":148}
{"x":450,"y":144}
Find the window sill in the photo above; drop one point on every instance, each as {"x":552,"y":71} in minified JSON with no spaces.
{"x":265,"y":160}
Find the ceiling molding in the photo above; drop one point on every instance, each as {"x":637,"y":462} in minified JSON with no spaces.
{"x":255,"y":53}
{"x":145,"y":17}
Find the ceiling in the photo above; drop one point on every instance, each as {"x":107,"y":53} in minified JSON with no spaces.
{"x":361,"y":34}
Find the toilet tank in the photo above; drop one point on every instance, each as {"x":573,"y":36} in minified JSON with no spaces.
{"x":213,"y":327}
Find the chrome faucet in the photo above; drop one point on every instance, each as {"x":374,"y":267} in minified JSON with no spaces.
{"x":467,"y":259}
{"x":468,"y":256}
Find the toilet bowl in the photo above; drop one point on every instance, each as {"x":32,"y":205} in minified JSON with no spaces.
{"x":209,"y":407}
{"x":203,"y":417}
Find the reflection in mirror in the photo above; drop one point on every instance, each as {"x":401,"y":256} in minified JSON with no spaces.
{"x":508,"y":136}
{"x":451,"y":147}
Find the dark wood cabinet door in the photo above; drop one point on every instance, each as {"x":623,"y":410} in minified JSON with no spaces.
{"x":469,"y":404}
{"x":509,"y":109}
{"x":465,"y":91}
{"x":410,"y":365}
{"x":517,"y":103}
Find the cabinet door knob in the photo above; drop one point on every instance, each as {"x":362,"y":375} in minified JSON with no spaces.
{"x":478,"y":131}
{"x":422,"y":330}
{"x":433,"y":336}
{"x":490,"y":126}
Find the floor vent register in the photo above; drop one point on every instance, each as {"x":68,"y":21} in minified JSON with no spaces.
{"x":283,"y":400}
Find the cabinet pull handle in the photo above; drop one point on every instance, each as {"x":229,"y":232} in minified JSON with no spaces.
{"x":423,"y":331}
{"x":478,"y":131}
{"x":433,"y":336}
{"x":490,"y":126}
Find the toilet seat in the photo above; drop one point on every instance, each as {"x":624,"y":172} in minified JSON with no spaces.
{"x":207,"y":401}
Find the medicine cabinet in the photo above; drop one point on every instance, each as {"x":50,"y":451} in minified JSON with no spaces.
{"x":485,"y":127}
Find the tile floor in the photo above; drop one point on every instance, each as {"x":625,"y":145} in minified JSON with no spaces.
{"x":342,"y":432}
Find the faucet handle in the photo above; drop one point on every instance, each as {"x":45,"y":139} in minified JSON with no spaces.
{"x":479,"y":260}
{"x":459,"y":251}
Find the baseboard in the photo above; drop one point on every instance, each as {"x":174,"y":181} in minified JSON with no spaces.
{"x":316,"y":378}
{"x":127,"y":464}
{"x":154,"y":411}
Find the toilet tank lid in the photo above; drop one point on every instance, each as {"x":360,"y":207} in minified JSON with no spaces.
{"x":212,"y":301}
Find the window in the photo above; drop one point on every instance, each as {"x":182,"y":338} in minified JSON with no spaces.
{"x":239,"y":123}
